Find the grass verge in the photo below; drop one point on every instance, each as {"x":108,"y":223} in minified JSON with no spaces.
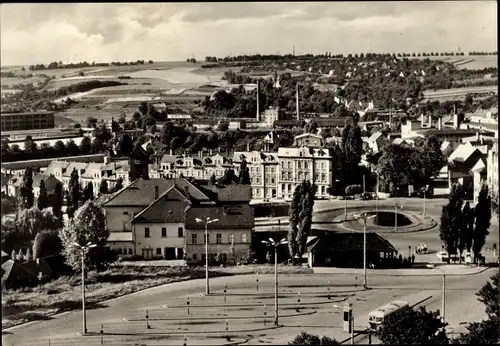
{"x":38,"y":303}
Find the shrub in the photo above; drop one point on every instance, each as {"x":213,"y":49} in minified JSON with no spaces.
{"x":131,"y":258}
{"x":310,"y":339}
{"x":353,"y":190}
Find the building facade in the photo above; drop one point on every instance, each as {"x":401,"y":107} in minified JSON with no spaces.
{"x":27,"y":121}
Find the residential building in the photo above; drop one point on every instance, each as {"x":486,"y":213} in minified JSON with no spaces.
{"x":492,"y":173}
{"x":15,"y":182}
{"x":271,"y":115}
{"x":157,"y":218}
{"x":92,"y":172}
{"x":233,"y":228}
{"x":460,"y":165}
{"x":27,"y":121}
{"x":377,"y":141}
{"x":309,"y":140}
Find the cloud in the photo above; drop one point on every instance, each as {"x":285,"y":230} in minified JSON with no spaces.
{"x":41,"y":33}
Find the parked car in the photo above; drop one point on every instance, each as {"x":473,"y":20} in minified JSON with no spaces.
{"x":442,"y":255}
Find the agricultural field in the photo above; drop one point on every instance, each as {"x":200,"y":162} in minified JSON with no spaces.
{"x":468,"y":62}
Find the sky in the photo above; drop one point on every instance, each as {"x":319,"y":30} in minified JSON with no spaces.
{"x":100,"y":32}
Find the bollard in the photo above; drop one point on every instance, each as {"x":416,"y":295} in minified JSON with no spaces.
{"x":328,"y":289}
{"x":102,"y":334}
{"x":225,"y":290}
{"x":298,"y":301}
{"x":227,"y":331}
{"x":257,"y":281}
{"x":265,"y":314}
{"x":185,"y":341}
{"x":147,"y":320}
{"x":187,"y":306}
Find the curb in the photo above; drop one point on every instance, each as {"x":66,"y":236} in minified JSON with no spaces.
{"x":408,"y":273}
{"x":273,"y":223}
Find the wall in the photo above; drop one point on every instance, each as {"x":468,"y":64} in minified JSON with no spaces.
{"x":156,"y":240}
{"x":213,"y":248}
{"x":115,"y":217}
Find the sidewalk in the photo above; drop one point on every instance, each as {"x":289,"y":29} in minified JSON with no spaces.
{"x":447,"y":269}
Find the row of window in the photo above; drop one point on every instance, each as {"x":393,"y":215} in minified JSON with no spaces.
{"x":218,"y":238}
{"x":180,"y":232}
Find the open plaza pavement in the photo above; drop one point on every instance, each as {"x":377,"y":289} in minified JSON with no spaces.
{"x":245,"y":315}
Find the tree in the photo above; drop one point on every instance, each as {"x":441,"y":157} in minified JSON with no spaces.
{"x":119,"y":184}
{"x":125,"y":145}
{"x":310,"y":339}
{"x":451,"y":219}
{"x":31,"y":221}
{"x":88,"y":193}
{"x":300,"y":218}
{"x":213,"y":179}
{"x":433,"y":158}
{"x":86,"y":146}
{"x":352,"y":148}
{"x":91,"y":122}
{"x":27,"y":196}
{"x":488,"y":295}
{"x":413,"y":327}
{"x":486,"y":331}
{"x":43,"y":199}
{"x":87,"y":226}
{"x":483,"y":221}
{"x":57,"y":201}
{"x":46,"y":243}
{"x":465,"y":232}
{"x":228,"y":178}
{"x":74,"y":193}
{"x":103,"y":188}
{"x":244,"y":178}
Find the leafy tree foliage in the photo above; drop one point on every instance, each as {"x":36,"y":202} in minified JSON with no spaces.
{"x":27,"y":196}
{"x":31,"y":221}
{"x":486,"y":331}
{"x":74,"y":193}
{"x":103,"y":188}
{"x":300,"y":218}
{"x":229,"y":177}
{"x":87,"y":226}
{"x":119,"y":184}
{"x":47,"y":243}
{"x":213,"y":180}
{"x":12,"y":238}
{"x":452,"y":219}
{"x":352,"y":149}
{"x":466,"y":229}
{"x":310,"y":339}
{"x":43,"y":198}
{"x":483,"y":221}
{"x":244,"y":177}
{"x":57,"y":201}
{"x":88,"y":193}
{"x":125,"y":145}
{"x":9,"y":205}
{"x":412,"y":327}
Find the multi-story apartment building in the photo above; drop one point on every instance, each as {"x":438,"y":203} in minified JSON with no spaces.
{"x":90,"y":172}
{"x":27,"y":121}
{"x":273,"y":175}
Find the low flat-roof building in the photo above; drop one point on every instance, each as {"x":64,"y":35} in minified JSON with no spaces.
{"x":27,"y":121}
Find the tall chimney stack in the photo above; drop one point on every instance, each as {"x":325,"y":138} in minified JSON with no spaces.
{"x":297,"y":100}
{"x":258,"y":107}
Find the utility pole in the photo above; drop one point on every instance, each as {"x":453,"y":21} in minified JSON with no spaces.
{"x":365,"y":217}
{"x":274,"y":244}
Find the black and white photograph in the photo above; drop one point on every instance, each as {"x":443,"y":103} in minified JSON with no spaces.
{"x":249,"y":173}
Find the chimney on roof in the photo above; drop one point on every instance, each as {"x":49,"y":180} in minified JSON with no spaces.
{"x":440,"y":124}
{"x":156,"y":192}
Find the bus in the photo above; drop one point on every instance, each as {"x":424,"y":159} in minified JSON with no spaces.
{"x":379,"y":315}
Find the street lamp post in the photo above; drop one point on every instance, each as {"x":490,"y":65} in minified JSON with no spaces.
{"x":206,"y":221}
{"x":443,"y":289}
{"x":425,"y":192}
{"x":396,"y":216}
{"x":84,"y":315}
{"x":274,"y":244}
{"x":365,"y":217}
